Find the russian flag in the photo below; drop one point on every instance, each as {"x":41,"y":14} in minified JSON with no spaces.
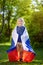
{"x":27,"y":55}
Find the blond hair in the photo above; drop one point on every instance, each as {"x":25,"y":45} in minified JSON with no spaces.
{"x":21,"y":20}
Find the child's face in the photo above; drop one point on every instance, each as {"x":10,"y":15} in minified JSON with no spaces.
{"x":19,"y":22}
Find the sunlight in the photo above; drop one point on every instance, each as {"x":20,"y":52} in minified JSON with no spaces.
{"x":34,"y":3}
{"x":4,"y":60}
{"x":39,"y":1}
{"x":38,"y":60}
{"x":7,"y":43}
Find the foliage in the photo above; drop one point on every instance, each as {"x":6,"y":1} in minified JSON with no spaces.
{"x":11,"y":10}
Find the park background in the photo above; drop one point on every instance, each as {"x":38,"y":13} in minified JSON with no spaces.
{"x":32,"y":12}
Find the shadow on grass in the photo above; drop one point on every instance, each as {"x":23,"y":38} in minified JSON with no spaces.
{"x":22,"y":63}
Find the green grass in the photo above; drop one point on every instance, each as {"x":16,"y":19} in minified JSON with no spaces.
{"x":4,"y":58}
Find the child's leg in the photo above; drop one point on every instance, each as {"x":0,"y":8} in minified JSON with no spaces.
{"x":19,"y":49}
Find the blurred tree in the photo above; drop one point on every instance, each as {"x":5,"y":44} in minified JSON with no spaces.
{"x":11,"y":10}
{"x":30,"y":10}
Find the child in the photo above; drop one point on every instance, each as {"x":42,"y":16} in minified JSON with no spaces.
{"x":20,"y":30}
{"x":20,"y":47}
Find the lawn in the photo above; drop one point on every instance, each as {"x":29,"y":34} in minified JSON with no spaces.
{"x":4,"y":58}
